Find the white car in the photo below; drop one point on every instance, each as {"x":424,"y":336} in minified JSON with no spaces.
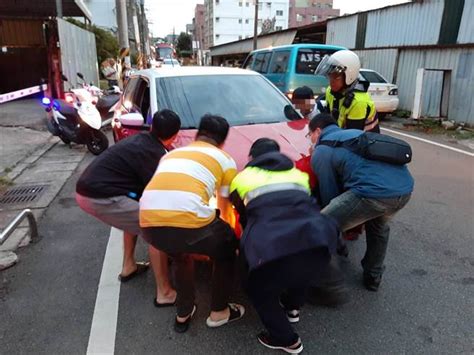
{"x":384,"y":94}
{"x":168,"y":62}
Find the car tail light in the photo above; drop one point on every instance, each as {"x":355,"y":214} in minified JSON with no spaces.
{"x":393,"y":92}
{"x":69,"y":98}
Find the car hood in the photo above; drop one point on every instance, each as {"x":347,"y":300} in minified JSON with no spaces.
{"x":289,"y":135}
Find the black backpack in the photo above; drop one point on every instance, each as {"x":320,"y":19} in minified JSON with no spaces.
{"x":376,"y":146}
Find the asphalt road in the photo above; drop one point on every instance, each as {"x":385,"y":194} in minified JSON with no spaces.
{"x":425,"y":303}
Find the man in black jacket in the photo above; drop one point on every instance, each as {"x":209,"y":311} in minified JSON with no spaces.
{"x":111,"y":186}
{"x":285,"y":242}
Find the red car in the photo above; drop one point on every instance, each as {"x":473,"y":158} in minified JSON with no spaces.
{"x":252,"y":105}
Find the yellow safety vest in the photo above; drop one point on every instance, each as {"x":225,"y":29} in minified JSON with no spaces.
{"x":253,"y":182}
{"x":362,"y":107}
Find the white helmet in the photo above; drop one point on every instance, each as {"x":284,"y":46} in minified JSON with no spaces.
{"x":343,"y":61}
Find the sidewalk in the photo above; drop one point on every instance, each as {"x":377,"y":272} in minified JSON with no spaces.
{"x":30,"y":157}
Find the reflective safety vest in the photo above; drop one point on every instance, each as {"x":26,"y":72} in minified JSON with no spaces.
{"x":361,"y":107}
{"x":253,"y":182}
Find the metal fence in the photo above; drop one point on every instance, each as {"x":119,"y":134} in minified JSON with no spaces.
{"x":78,"y":54}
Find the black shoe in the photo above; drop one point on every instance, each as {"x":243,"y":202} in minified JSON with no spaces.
{"x":372,"y":283}
{"x":181,"y":327}
{"x":264,"y":339}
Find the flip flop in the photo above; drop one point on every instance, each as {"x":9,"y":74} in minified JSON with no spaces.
{"x":142,"y":266}
{"x":162,"y":305}
{"x":182,"y":327}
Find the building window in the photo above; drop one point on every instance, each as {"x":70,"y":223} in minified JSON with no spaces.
{"x":278,"y":28}
{"x":217,"y":19}
{"x":240,"y":3}
{"x":247,"y":20}
{"x":314,"y":18}
{"x":299,"y":18}
{"x":217,"y":1}
{"x":217,"y":36}
{"x":260,"y":6}
{"x":247,"y":4}
{"x":240,"y":20}
{"x":269,"y":4}
{"x":279,"y":13}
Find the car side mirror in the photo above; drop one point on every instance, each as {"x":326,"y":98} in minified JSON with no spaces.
{"x":63,"y":77}
{"x":132,"y":119}
{"x":80,"y":75}
{"x":291,"y":113}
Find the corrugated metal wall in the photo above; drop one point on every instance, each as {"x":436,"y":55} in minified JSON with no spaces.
{"x":407,"y":25}
{"x":78,"y":53}
{"x":466,"y":30}
{"x":381,"y":60}
{"x":461,"y":64}
{"x":342,"y":31}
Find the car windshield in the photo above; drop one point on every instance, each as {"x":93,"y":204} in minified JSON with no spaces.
{"x":241,"y":99}
{"x":308,"y":59}
{"x":372,"y":77}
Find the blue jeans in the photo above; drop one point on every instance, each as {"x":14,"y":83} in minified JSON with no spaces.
{"x":350,"y":210}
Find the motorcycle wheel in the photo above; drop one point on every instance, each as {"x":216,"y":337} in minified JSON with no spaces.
{"x":97,"y":142}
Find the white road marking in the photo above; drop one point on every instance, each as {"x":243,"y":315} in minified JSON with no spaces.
{"x":429,"y":142}
{"x":104,"y":321}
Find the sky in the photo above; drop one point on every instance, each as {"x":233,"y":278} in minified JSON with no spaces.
{"x":168,"y":14}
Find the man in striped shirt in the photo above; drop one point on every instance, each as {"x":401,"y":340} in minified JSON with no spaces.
{"x":176,"y":218}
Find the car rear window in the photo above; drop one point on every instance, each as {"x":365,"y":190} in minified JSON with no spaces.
{"x":307,"y":59}
{"x":241,"y":99}
{"x":373,"y":77}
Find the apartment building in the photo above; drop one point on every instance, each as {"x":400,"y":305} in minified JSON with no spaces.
{"x":305,"y":12}
{"x":233,"y":20}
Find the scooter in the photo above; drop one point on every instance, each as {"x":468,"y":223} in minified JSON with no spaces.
{"x":104,"y":100}
{"x":76,"y":121}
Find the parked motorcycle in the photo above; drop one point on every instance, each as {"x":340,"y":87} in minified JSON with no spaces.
{"x":104,"y":100}
{"x":76,"y":120}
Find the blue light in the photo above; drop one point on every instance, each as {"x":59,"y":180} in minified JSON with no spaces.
{"x":56,"y":105}
{"x":46,"y":101}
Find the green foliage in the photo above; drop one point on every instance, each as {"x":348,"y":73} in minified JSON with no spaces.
{"x":184,"y":43}
{"x":106,"y":43}
{"x":402,"y":114}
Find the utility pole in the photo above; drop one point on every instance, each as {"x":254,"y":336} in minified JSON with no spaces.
{"x":59,"y":8}
{"x":255,"y":26}
{"x":122,"y":24}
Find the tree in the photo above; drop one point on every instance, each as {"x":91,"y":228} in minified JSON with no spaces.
{"x":106,"y":43}
{"x":268,"y":26}
{"x":184,"y":43}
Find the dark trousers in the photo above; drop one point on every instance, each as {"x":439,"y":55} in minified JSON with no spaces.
{"x":286,"y":279}
{"x":216,"y":240}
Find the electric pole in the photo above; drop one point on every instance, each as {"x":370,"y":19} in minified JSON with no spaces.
{"x":59,"y":8}
{"x":255,"y":26}
{"x":122,"y":27}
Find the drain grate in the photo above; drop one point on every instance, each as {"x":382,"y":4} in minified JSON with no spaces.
{"x":22,"y":194}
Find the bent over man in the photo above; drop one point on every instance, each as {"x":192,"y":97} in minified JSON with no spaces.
{"x":286,"y":241}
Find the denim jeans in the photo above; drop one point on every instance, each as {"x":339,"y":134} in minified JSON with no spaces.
{"x":350,"y":210}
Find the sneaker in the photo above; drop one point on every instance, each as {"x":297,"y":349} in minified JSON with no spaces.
{"x":293,"y":315}
{"x":372,"y":283}
{"x":237,"y":311}
{"x":264,"y":339}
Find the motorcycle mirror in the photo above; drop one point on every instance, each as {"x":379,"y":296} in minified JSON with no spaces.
{"x":80,"y":75}
{"x":64,"y":77}
{"x":291,"y":113}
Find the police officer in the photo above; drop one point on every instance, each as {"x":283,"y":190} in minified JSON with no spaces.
{"x":286,"y":241}
{"x":347,"y":98}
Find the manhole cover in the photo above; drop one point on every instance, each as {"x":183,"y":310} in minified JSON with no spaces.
{"x":21,"y":194}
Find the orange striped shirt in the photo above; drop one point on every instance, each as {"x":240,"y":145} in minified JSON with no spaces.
{"x":178,"y":194}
